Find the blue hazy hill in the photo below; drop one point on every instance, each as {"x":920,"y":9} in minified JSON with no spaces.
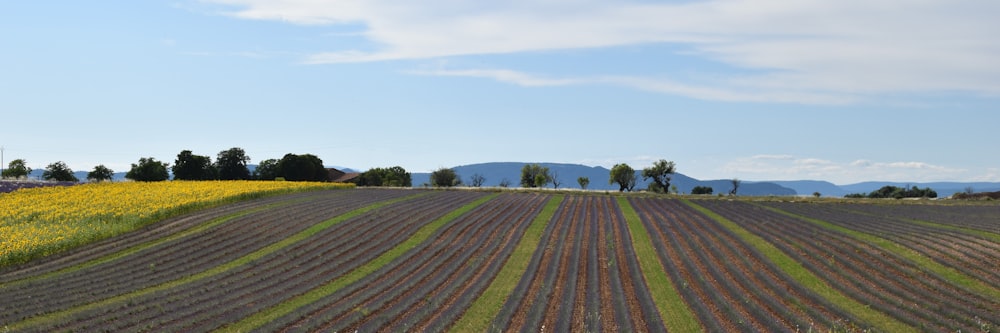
{"x":567,"y":174}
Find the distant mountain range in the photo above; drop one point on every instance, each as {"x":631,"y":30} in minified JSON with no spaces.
{"x":568,"y":173}
{"x":599,"y":176}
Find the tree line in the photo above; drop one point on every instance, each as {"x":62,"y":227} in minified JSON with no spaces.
{"x":230,"y":164}
{"x":896,"y":192}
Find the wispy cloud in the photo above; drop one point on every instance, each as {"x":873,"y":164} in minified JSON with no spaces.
{"x":660,"y":85}
{"x":503,"y":75}
{"x":238,"y":54}
{"x":802,"y":51}
{"x":788,"y":167}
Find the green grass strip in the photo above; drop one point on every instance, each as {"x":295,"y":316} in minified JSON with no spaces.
{"x":263,"y":317}
{"x":479,"y":316}
{"x":806,"y":278}
{"x":139,"y":247}
{"x":676,"y":315}
{"x":945,"y":272}
{"x":302,"y":235}
{"x":968,"y":231}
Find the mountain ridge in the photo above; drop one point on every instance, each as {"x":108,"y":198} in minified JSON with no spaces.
{"x":567,"y":174}
{"x":494,"y":172}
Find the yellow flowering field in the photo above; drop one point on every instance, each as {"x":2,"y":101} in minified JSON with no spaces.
{"x":41,"y":221}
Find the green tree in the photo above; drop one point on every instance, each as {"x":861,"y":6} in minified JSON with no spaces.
{"x":16,"y":169}
{"x":660,"y":172}
{"x":58,"y":171}
{"x":100,"y":173}
{"x":445,"y":177}
{"x":534,"y":175}
{"x":584,"y":182}
{"x":395,"y":176}
{"x":148,"y":170}
{"x":189,"y":166}
{"x":624,"y":175}
{"x":372,"y":177}
{"x":890,"y":191}
{"x":232,"y":164}
{"x":701,"y":190}
{"x":267,"y":170}
{"x":305,"y":167}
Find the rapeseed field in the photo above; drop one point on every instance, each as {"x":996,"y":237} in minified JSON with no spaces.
{"x":41,"y":221}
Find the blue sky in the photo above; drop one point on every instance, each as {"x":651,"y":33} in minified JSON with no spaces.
{"x":844,"y":91}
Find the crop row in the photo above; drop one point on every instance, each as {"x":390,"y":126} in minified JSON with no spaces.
{"x":182,"y":258}
{"x":583,"y":276}
{"x":292,"y":271}
{"x":156,"y":233}
{"x":981,"y":217}
{"x":42,"y":221}
{"x":865,"y":272}
{"x":416,"y":260}
{"x":431,"y":284}
{"x":166,"y":261}
{"x":730,"y":285}
{"x":972,"y":255}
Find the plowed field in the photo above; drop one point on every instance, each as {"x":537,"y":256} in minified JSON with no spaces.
{"x":424,"y":260}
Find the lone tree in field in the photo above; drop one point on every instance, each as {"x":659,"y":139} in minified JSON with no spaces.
{"x":624,"y":175}
{"x":477,"y":180}
{"x":660,"y":172}
{"x":148,"y":170}
{"x":232,"y":164}
{"x":534,"y":175}
{"x":504,"y":183}
{"x":58,"y":171}
{"x":16,"y":169}
{"x":445,"y":177}
{"x":554,"y":177}
{"x":736,"y":186}
{"x":100,"y":173}
{"x":189,"y":166}
{"x":583,"y":181}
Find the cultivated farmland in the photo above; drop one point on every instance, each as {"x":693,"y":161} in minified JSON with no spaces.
{"x":428,"y":260}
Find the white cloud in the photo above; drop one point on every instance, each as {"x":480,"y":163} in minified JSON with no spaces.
{"x":809,"y":51}
{"x":988,"y":175}
{"x":772,"y":157}
{"x":787,"y":167}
